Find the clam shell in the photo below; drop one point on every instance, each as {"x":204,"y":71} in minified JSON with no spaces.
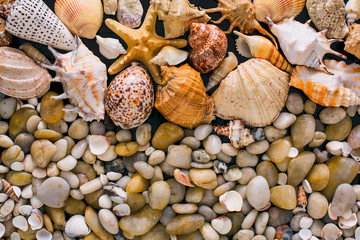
{"x":98,"y":144}
{"x":82,"y":17}
{"x":169,"y":55}
{"x":277,"y":10}
{"x":130,"y":13}
{"x":347,"y":223}
{"x":183,"y":100}
{"x":110,"y":6}
{"x":21,"y":223}
{"x":33,"y":53}
{"x":34,"y":21}
{"x":330,"y":232}
{"x":110,"y":47}
{"x":254,"y":92}
{"x":352,"y":9}
{"x":231,"y":201}
{"x":76,"y":226}
{"x":305,"y":234}
{"x":43,"y":234}
{"x":36,"y":220}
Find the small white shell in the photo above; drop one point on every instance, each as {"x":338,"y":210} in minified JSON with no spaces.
{"x":36,"y":220}
{"x":20,"y":223}
{"x":352,"y":9}
{"x":25,"y":210}
{"x":98,"y":144}
{"x":222,"y":224}
{"x":15,"y":236}
{"x":110,"y":47}
{"x":305,"y":234}
{"x":231,"y":201}
{"x":348,"y":223}
{"x":76,"y":226}
{"x":331,"y":215}
{"x":2,"y":229}
{"x":293,"y":152}
{"x":334,"y":147}
{"x":43,"y":234}
{"x":346,"y":149}
{"x":121,"y":210}
{"x":110,"y":6}
{"x":307,"y":187}
{"x":357,"y":233}
{"x":169,"y":55}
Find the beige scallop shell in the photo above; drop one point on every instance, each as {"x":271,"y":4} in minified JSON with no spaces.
{"x":277,"y":10}
{"x":254,"y":92}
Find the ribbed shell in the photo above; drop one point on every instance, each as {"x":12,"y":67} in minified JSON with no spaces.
{"x":76,"y":226}
{"x":34,"y":21}
{"x":20,"y":76}
{"x":130,"y":97}
{"x":254,"y":92}
{"x":130,"y":13}
{"x":9,"y":190}
{"x":340,"y":89}
{"x":277,"y":10}
{"x":183,"y":99}
{"x":209,"y":46}
{"x":82,"y":17}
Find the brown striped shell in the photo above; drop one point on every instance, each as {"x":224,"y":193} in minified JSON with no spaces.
{"x":9,"y":190}
{"x":183,"y":100}
{"x":209,"y":46}
{"x":130,"y":97}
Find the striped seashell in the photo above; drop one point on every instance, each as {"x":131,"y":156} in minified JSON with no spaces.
{"x":34,"y":21}
{"x":260,"y":47}
{"x":81,"y":17}
{"x":33,"y":53}
{"x":84,"y":79}
{"x":5,"y":36}
{"x":209,"y":46}
{"x":9,"y":190}
{"x":340,"y":89}
{"x":352,"y":9}
{"x":20,"y":76}
{"x":301,"y":197}
{"x":130,"y":13}
{"x":239,"y":135}
{"x":277,"y":10}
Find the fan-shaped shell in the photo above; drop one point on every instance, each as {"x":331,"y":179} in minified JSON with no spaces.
{"x":34,"y":21}
{"x":130,"y":97}
{"x":130,"y":13}
{"x":352,"y":9}
{"x":20,"y":76}
{"x":183,"y":100}
{"x":76,"y":226}
{"x":209,"y":46}
{"x":277,"y":10}
{"x":340,"y":89}
{"x":82,"y":17}
{"x":254,"y":92}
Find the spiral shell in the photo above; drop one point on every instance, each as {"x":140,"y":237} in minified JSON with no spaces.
{"x":277,"y":10}
{"x":301,"y":198}
{"x":239,"y":135}
{"x":5,"y":6}
{"x":209,"y":46}
{"x":110,"y":6}
{"x":9,"y":190}
{"x":33,"y":53}
{"x":169,"y":55}
{"x":183,"y":100}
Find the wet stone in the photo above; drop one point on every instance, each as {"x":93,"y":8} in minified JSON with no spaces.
{"x":332,"y":115}
{"x":318,"y":177}
{"x":278,"y":150}
{"x":130,"y":160}
{"x":167,"y":134}
{"x":299,"y":167}
{"x":272,"y":133}
{"x":7,"y":107}
{"x":294,"y":103}
{"x":18,"y":121}
{"x":303,"y":130}
{"x":24,"y":141}
{"x":184,"y":224}
{"x":283,"y":196}
{"x":317,"y":205}
{"x":19,"y":178}
{"x":278,"y":216}
{"x":51,"y":110}
{"x":268,"y":171}
{"x":338,"y":131}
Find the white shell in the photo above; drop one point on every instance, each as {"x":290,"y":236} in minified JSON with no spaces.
{"x":76,"y":226}
{"x":169,"y":55}
{"x":334,"y":147}
{"x":98,"y":144}
{"x":352,"y":9}
{"x":43,"y":234}
{"x":110,"y":6}
{"x":293,"y":152}
{"x":36,"y":220}
{"x":231,"y":201}
{"x":349,"y":222}
{"x":222,"y":224}
{"x":110,"y":48}
{"x":305,"y":234}
{"x":25,"y":210}
{"x":130,"y":12}
{"x":346,"y":149}
{"x":357,"y":233}
{"x":20,"y":223}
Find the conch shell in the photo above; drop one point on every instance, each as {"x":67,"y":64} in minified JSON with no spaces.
{"x":110,"y":47}
{"x":328,"y":15}
{"x":130,"y":13}
{"x":352,"y":9}
{"x":183,"y":99}
{"x":254,"y":92}
{"x":82,"y":17}
{"x":84,"y":79}
{"x":239,"y":135}
{"x":169,"y":55}
{"x":340,"y":89}
{"x":5,"y":36}
{"x":209,"y":46}
{"x":20,"y":76}
{"x":301,"y":44}
{"x":33,"y":53}
{"x":178,"y":15}
{"x":260,"y":47}
{"x":352,"y":43}
{"x":277,"y":10}
{"x":110,"y":6}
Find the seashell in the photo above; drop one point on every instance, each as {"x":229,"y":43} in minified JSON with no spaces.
{"x":2,"y":229}
{"x":340,"y":89}
{"x":183,"y":177}
{"x":110,"y":47}
{"x":209,"y":46}
{"x":357,"y":233}
{"x":301,"y":50}
{"x":260,"y":47}
{"x":183,"y":100}
{"x":76,"y":226}
{"x":33,"y":53}
{"x":83,"y":77}
{"x":293,"y":152}
{"x":279,"y":231}
{"x":5,"y":36}
{"x":352,"y":9}
{"x":82,"y":17}
{"x":301,"y":197}
{"x":330,"y":232}
{"x":347,"y":223}
{"x":36,"y":220}
{"x":25,"y":210}
{"x":115,"y":192}
{"x":328,"y":15}
{"x":334,"y":147}
{"x":169,"y":55}
{"x":43,"y":234}
{"x":130,"y":13}
{"x":110,"y":6}
{"x":277,"y":10}
{"x":98,"y":144}
{"x":352,"y":43}
{"x":9,"y":190}
{"x":5,"y":6}
{"x":346,"y":149}
{"x":178,"y":15}
{"x":231,"y":201}
{"x":305,"y":234}
{"x":130,"y":97}
{"x":254,"y":92}
{"x":21,"y":223}
{"x":34,"y":21}
{"x":239,"y":135}
{"x":222,"y":224}
{"x":225,"y":67}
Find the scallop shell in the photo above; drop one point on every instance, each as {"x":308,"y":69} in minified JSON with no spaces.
{"x":209,"y":46}
{"x":260,"y":47}
{"x":33,"y":53}
{"x":254,"y":92}
{"x":130,"y":97}
{"x":340,"y":89}
{"x":130,"y":13}
{"x":352,"y":43}
{"x":5,"y":36}
{"x":76,"y":226}
{"x":84,"y":80}
{"x":110,"y":47}
{"x":277,"y":10}
{"x":239,"y":135}
{"x":20,"y":76}
{"x":110,"y":6}
{"x":169,"y":55}
{"x":34,"y":21}
{"x":301,"y":44}
{"x":352,"y":9}
{"x":183,"y":100}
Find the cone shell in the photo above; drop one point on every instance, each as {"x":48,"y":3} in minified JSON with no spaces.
{"x":9,"y":190}
{"x":34,"y":21}
{"x":130,"y":97}
{"x":130,"y":13}
{"x":277,"y":10}
{"x":169,"y":55}
{"x":352,"y":43}
{"x":254,"y":92}
{"x":209,"y":46}
{"x":183,"y":99}
{"x":340,"y":89}
{"x":82,"y":17}
{"x":20,"y":76}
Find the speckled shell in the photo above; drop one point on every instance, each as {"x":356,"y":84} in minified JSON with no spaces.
{"x":340,"y":89}
{"x":277,"y":10}
{"x":254,"y":92}
{"x":20,"y":76}
{"x":352,"y":9}
{"x":209,"y":46}
{"x":183,"y":100}
{"x":328,"y":15}
{"x":130,"y":97}
{"x":34,"y":21}
{"x":5,"y":36}
{"x":130,"y":13}
{"x":84,"y":78}
{"x":352,"y":43}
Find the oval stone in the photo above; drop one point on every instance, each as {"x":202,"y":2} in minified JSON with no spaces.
{"x":283,"y":196}
{"x":318,"y":177}
{"x":53,"y":192}
{"x":268,"y":171}
{"x":317,"y":205}
{"x":343,"y":200}
{"x":299,"y":167}
{"x":339,"y":131}
{"x":303,"y":130}
{"x":51,"y":110}
{"x":184,"y":224}
{"x":167,"y":134}
{"x":258,"y":186}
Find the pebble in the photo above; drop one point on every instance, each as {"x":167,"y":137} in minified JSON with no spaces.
{"x":109,"y":221}
{"x":184,"y":224}
{"x":78,"y":150}
{"x":203,"y":131}
{"x":205,"y":178}
{"x":143,"y":134}
{"x":4,"y":126}
{"x":354,"y":138}
{"x":166,"y":135}
{"x":317,"y":205}
{"x":156,"y":157}
{"x":47,"y":134}
{"x":283,"y":196}
{"x":177,"y":191}
{"x":222,"y":224}
{"x":272,"y":133}
{"x":67,"y":164}
{"x":159,"y":195}
{"x":332,"y":115}
{"x":184,"y":208}
{"x":79,"y":129}
{"x":18,"y":121}
{"x":136,"y":202}
{"x":51,"y":110}
{"x":42,"y":151}
{"x":126,"y":149}
{"x":157,"y":232}
{"x":108,"y":155}
{"x":208,"y":232}
{"x":247,"y":174}
{"x":61,"y":126}
{"x":299,"y":167}
{"x":344,"y":199}
{"x":191,"y":142}
{"x":113,"y":176}
{"x":74,"y":207}
{"x":302,"y":131}
{"x":249,"y":219}
{"x":306,"y":222}
{"x":258,"y":134}
{"x":39,"y":172}
{"x":11,"y":155}
{"x":223,"y":157}
{"x":278,"y":216}
{"x":284,"y":120}
{"x":212,"y":144}
{"x":144,"y":169}
{"x":19,"y":179}
{"x":71,"y":179}
{"x":339,"y":131}
{"x":137,"y":184}
{"x":245,"y":234}
{"x":200,"y":156}
{"x":53,"y":192}
{"x":179,"y":156}
{"x":167,"y":214}
{"x":92,"y":220}
{"x":310,"y":107}
{"x":232,"y":174}
{"x":5,"y":141}
{"x":195,"y":194}
{"x":258,"y":147}
{"x":319,"y":138}
{"x":246,"y":159}
{"x":121,"y":210}
{"x":278,"y":150}
{"x":294,"y":103}
{"x":220,"y":167}
{"x":282,"y":179}
{"x":258,"y":186}
{"x":224,"y":188}
{"x":318,"y":177}
{"x":7,"y":107}
{"x":268,"y":171}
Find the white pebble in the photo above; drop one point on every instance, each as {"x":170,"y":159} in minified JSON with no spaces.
{"x":191,"y":142}
{"x":3,"y":197}
{"x":76,"y":194}
{"x":212,"y":144}
{"x":103,"y":179}
{"x":121,"y":210}
{"x":33,"y":101}
{"x":149,"y":151}
{"x":79,"y":149}
{"x":42,"y":125}
{"x":5,"y":141}
{"x":202,"y":131}
{"x":143,"y":134}
{"x":27,"y":192}
{"x":306,"y":222}
{"x":208,"y":232}
{"x":123,"y":182}
{"x":32,"y":123}
{"x":28,"y":106}
{"x":105,"y":201}
{"x":7,"y":207}
{"x":39,"y":172}
{"x":123,"y":136}
{"x":66,"y":164}
{"x":61,"y":148}
{"x":249,"y":219}
{"x":17,"y":166}
{"x":91,"y":186}
{"x":232,"y":174}
{"x":157,"y":157}
{"x":3,"y":169}
{"x":282,"y":179}
{"x":71,"y":178}
{"x":38,"y":107}
{"x":228,"y":149}
{"x":29,"y":164}
{"x":113,"y":176}
{"x":108,"y":155}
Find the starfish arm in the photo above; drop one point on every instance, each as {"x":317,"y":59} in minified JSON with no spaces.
{"x":122,"y":31}
{"x":121,"y":63}
{"x":150,"y":19}
{"x":178,"y":43}
{"x":154,"y":71}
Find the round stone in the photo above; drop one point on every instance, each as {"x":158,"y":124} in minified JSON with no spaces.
{"x":53,"y":192}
